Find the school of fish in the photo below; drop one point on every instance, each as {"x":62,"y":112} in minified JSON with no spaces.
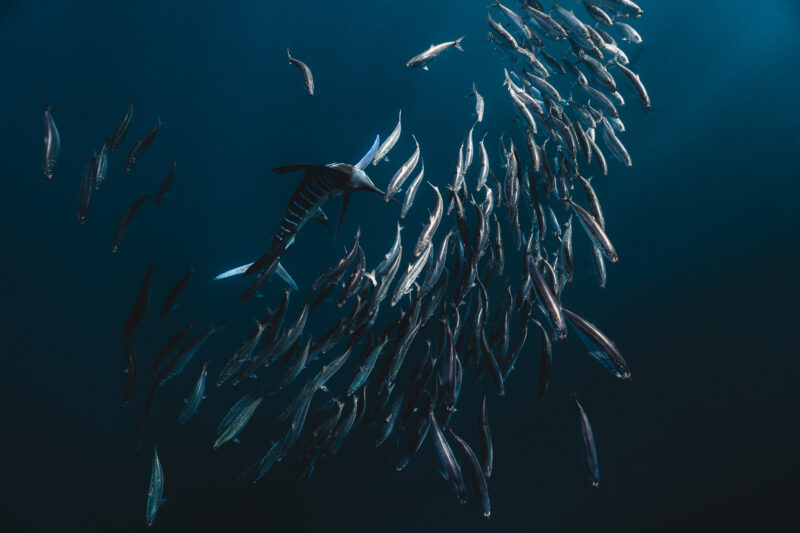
{"x":453,"y":318}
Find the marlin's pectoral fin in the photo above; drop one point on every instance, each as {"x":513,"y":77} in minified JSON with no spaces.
{"x":345,"y":201}
{"x":369,"y":156}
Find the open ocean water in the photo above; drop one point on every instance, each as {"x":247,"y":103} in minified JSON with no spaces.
{"x":702,"y":302}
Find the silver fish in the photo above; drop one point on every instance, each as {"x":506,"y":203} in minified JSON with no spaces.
{"x":636,"y":83}
{"x":433,"y":224}
{"x":155,"y":492}
{"x":484,"y":171}
{"x":614,"y":144}
{"x":51,"y":146}
{"x":308,"y":78}
{"x":627,"y":32}
{"x":402,"y":173}
{"x":411,"y":275}
{"x":596,"y":234}
{"x":198,"y":395}
{"x":390,"y":141}
{"x":411,"y":192}
{"x":479,"y":103}
{"x":422,"y":60}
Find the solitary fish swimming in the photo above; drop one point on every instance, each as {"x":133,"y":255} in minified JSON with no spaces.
{"x":432,"y":53}
{"x":52,"y":144}
{"x":308,"y":78}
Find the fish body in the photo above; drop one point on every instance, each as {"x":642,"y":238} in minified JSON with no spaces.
{"x":87,"y":188}
{"x":480,"y":105}
{"x":402,"y":173}
{"x":174,"y":292}
{"x":390,"y":141}
{"x":139,"y":307}
{"x":100,"y":168}
{"x":141,"y":146}
{"x":51,"y":145}
{"x":411,"y":192}
{"x":122,"y":128}
{"x":122,"y":228}
{"x":164,"y":187}
{"x":600,"y":346}
{"x":198,"y":394}
{"x":308,"y":78}
{"x":588,"y":447}
{"x":422,"y":60}
{"x":155,"y":492}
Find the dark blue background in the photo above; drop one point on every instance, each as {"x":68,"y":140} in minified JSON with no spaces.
{"x":702,"y":302}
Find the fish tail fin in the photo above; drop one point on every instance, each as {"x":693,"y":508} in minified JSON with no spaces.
{"x":457,"y":43}
{"x":289,"y":54}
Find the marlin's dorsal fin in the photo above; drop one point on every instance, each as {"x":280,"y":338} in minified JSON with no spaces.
{"x":345,"y":201}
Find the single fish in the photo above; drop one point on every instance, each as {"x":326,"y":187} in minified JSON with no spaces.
{"x":414,"y":269}
{"x":588,"y":448}
{"x":198,"y":395}
{"x":428,"y":232}
{"x":635,"y":82}
{"x":547,"y":300}
{"x":155,"y":492}
{"x":87,"y":187}
{"x":600,"y":346}
{"x":479,"y":103}
{"x":139,"y":307}
{"x":101,"y":166}
{"x":51,"y":145}
{"x":627,"y":32}
{"x":402,"y":173}
{"x":484,"y":170}
{"x":308,"y":78}
{"x":122,"y":128}
{"x":174,"y":292}
{"x":178,"y":363}
{"x":162,"y":190}
{"x":485,"y":435}
{"x":411,"y":192}
{"x":390,"y":141}
{"x":238,"y":423}
{"x":131,"y":373}
{"x":141,"y":146}
{"x":422,"y":60}
{"x":595,"y":232}
{"x":599,"y":16}
{"x":125,"y":221}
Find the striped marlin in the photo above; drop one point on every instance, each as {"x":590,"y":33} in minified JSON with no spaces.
{"x":320,"y":183}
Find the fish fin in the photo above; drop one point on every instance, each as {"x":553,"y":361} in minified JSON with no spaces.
{"x":458,"y":43}
{"x":424,"y":67}
{"x":371,"y":276}
{"x":345,"y":201}
{"x":236,"y":441}
{"x":369,"y":156}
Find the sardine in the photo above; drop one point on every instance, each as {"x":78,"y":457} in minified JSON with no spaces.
{"x":51,"y":145}
{"x":308,"y":78}
{"x":390,"y":141}
{"x":595,"y":232}
{"x":122,"y":128}
{"x":125,"y":221}
{"x":402,"y":173}
{"x":588,"y":448}
{"x":422,"y":60}
{"x":198,"y":395}
{"x":450,"y":467}
{"x":155,"y":492}
{"x":141,"y":146}
{"x":411,"y":192}
{"x":162,"y":190}
{"x":479,"y":484}
{"x":174,"y":292}
{"x":600,"y":346}
{"x":139,"y":307}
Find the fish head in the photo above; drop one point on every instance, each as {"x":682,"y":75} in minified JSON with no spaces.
{"x":359,"y":181}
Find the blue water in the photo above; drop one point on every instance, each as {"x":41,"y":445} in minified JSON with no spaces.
{"x":701,"y":303}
